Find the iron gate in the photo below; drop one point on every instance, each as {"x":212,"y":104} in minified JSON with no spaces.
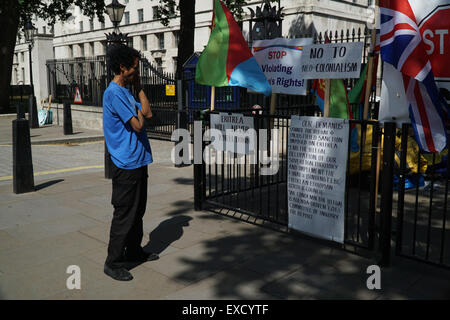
{"x":236,"y":185}
{"x":422,"y":226}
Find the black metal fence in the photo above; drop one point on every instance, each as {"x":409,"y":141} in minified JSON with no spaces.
{"x":413,"y":187}
{"x":422,"y":226}
{"x":235,"y":183}
{"x":19,"y":96}
{"x":88,"y":74}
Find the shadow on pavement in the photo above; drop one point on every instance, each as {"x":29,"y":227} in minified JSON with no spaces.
{"x":47,"y":184}
{"x":165,"y":233}
{"x":162,"y":236}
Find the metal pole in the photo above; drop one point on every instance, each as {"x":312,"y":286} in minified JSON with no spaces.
{"x":32,"y":107}
{"x":386,"y":193}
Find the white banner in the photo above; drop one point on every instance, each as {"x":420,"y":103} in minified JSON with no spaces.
{"x":393,"y":103}
{"x":235,"y":133}
{"x":317,"y":162}
{"x":280,"y":60}
{"x":332,"y":61}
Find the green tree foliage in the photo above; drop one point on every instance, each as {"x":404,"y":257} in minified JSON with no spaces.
{"x":168,"y":9}
{"x":13,"y":14}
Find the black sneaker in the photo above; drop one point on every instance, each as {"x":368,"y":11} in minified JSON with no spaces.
{"x":151,"y":256}
{"x":120,"y":274}
{"x":142,"y":257}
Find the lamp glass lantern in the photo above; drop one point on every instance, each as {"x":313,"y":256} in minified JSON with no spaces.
{"x":29,"y":31}
{"x":115,"y":12}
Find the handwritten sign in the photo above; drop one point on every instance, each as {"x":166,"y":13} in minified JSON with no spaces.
{"x":317,"y":158}
{"x":332,"y":61}
{"x":235,"y":133}
{"x":280,"y":59}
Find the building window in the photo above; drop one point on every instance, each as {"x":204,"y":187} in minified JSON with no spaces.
{"x":155,"y":12}
{"x":104,"y":47}
{"x":176,"y":36}
{"x":82,"y":50}
{"x":160,"y":37}
{"x":144,"y":43}
{"x":23,"y":75}
{"x":21,"y":57}
{"x":91,"y":49}
{"x":102,"y":25}
{"x":159,"y":64}
{"x":141,"y":15}
{"x":91,"y":24}
{"x":81,"y":26}
{"x":127,"y":17}
{"x":175,"y":63}
{"x":44,"y":30}
{"x":130,"y":42}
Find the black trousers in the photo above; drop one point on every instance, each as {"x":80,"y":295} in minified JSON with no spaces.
{"x":129,"y":198}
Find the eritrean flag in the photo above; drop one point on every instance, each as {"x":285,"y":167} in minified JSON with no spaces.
{"x":227,"y":60}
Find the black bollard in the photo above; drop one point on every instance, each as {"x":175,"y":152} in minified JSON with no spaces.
{"x":23,"y":179}
{"x":108,"y":167}
{"x":67,"y":119}
{"x":32,"y":112}
{"x":20,"y":110}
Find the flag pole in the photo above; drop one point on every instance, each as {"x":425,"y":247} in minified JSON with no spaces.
{"x":326,"y":107}
{"x":213,"y":88}
{"x":213,"y":97}
{"x":366,"y":106}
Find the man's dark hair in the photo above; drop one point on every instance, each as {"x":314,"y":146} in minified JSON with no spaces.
{"x":120,"y":54}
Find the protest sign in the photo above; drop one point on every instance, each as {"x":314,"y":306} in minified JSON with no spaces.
{"x":332,"y":61}
{"x":317,"y":158}
{"x":236,"y":133}
{"x":280,"y":59}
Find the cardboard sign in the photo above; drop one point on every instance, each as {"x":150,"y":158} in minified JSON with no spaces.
{"x":280,"y":61}
{"x":237,"y":134}
{"x":332,"y":61}
{"x":77,"y":98}
{"x":317,"y":162}
{"x":170,"y":90}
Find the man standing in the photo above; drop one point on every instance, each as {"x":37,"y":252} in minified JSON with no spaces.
{"x":128,"y":145}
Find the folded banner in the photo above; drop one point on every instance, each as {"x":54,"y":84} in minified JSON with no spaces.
{"x":403,"y":47}
{"x":227,"y":60}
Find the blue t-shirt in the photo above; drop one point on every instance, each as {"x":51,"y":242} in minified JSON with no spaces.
{"x":129,"y":149}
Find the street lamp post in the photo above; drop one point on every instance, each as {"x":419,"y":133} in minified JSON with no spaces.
{"x":29,"y":31}
{"x":115,"y":12}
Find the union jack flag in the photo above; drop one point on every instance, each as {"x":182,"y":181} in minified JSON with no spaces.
{"x":402,"y":46}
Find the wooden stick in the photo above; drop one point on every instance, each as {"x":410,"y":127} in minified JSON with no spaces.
{"x":273,"y":106}
{"x":366,"y":110}
{"x":49,"y":102}
{"x":369,"y":76}
{"x":326,"y":108}
{"x":213,"y":97}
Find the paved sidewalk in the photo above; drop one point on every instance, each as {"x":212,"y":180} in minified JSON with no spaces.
{"x":202,"y":255}
{"x":49,"y":134}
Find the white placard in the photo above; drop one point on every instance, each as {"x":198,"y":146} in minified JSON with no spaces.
{"x":236,"y":133}
{"x":332,"y":60}
{"x":280,"y":61}
{"x":393,"y":104}
{"x":317,"y":161}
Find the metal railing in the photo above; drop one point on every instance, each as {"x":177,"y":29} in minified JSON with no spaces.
{"x":235,"y":182}
{"x":422,"y":225}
